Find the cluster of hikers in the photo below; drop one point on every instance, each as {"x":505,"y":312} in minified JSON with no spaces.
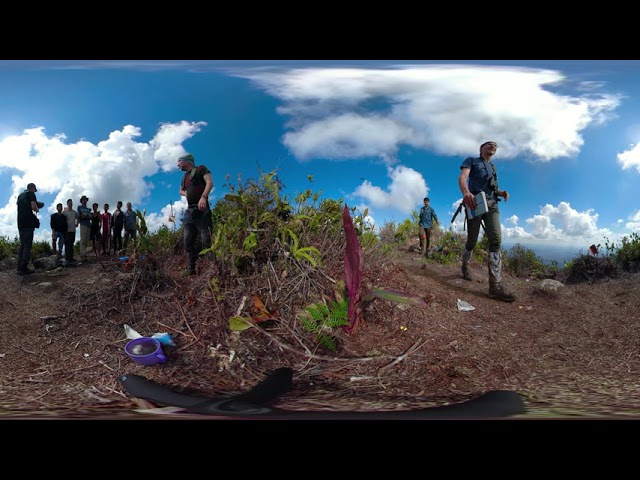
{"x":100,"y":232}
{"x":105,"y":229}
{"x":109,"y":233}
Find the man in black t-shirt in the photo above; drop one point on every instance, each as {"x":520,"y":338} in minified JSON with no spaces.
{"x":117,"y":224}
{"x":196,"y":185}
{"x":27,"y":223}
{"x":58,"y":224}
{"x":94,"y":233}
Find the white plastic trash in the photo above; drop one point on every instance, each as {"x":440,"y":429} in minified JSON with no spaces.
{"x":130,"y":332}
{"x":464,"y":306}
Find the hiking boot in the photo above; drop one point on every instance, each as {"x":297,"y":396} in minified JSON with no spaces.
{"x":496,"y":290}
{"x":466,"y":257}
{"x":26,"y":271}
{"x":466,"y":274}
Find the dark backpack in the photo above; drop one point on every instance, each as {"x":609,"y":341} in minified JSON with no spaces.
{"x":29,"y":219}
{"x":192,"y":176}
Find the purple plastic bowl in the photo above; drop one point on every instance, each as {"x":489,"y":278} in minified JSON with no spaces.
{"x":145,"y":351}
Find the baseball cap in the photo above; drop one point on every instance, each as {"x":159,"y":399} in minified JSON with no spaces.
{"x":487,"y":143}
{"x":187,"y":158}
{"x":83,"y":197}
{"x":32,"y":185}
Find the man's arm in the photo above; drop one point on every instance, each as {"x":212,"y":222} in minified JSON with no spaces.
{"x":502,"y":193}
{"x":202,"y":202}
{"x":209,"y":186}
{"x":467,"y":196}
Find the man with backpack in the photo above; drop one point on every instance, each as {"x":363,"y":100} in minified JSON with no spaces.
{"x":196,"y":186}
{"x":27,"y":223}
{"x":479,"y":174}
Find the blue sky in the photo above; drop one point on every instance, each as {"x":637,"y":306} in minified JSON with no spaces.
{"x":379,"y":134}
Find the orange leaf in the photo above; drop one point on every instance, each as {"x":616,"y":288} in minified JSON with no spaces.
{"x":258,"y":304}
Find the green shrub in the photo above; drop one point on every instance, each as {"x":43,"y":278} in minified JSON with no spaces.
{"x":628,"y":254}
{"x":408,"y":230}
{"x":449,"y":247}
{"x":522,"y":261}
{"x":40,"y":249}
{"x":9,"y":248}
{"x":163,"y":241}
{"x":255,"y":224}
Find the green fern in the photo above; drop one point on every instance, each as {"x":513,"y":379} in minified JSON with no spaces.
{"x":311,"y":254}
{"x":322,"y":317}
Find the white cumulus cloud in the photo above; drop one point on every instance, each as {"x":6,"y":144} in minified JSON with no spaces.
{"x":342,"y":113}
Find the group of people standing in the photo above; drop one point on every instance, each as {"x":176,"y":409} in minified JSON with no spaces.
{"x":94,"y":226}
{"x":103,"y":230}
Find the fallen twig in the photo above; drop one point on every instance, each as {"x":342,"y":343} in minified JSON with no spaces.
{"x":174,"y":329}
{"x":184,"y":317}
{"x":104,"y":364}
{"x":242,"y":302}
{"x":404,"y":356}
{"x":23,"y":349}
{"x":11,"y":303}
{"x":37,"y":398}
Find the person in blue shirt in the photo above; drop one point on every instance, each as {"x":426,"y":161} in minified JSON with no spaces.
{"x":425,"y":221}
{"x":479,"y":174}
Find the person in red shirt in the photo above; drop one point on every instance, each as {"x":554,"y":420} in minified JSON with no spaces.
{"x":106,"y":230}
